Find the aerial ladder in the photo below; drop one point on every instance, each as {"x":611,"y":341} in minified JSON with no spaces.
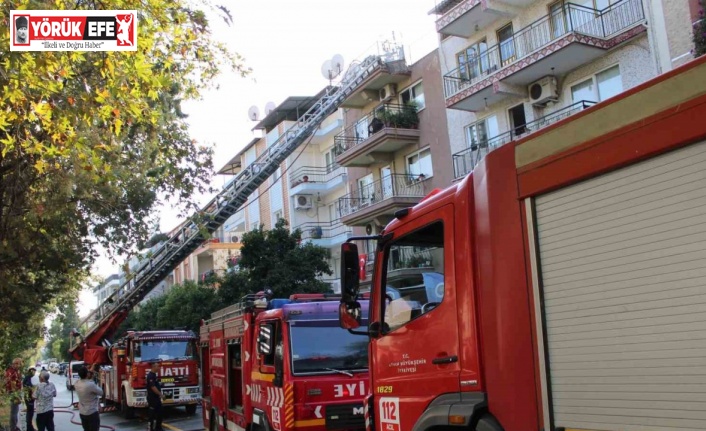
{"x":105,"y":319}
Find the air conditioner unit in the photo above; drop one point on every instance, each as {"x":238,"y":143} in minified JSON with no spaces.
{"x":543,"y":91}
{"x":303,"y":202}
{"x":389,"y":90}
{"x":372,"y":229}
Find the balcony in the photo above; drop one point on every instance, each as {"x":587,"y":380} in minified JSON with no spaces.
{"x":390,"y":68}
{"x":380,"y":199}
{"x":559,"y":42}
{"x":375,"y":137}
{"x":308,"y":180}
{"x":466,"y":17}
{"x":325,"y":234}
{"x":464,"y":161}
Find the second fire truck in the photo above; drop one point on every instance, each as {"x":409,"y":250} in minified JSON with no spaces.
{"x":282,"y":364}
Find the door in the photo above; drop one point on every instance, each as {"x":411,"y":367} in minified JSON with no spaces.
{"x":506,"y":43}
{"x":517,"y":120}
{"x":386,"y":178}
{"x":418,"y":320}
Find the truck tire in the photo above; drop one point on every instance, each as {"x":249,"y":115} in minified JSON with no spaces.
{"x":488,"y":423}
{"x":127,"y":411}
{"x":190,"y":409}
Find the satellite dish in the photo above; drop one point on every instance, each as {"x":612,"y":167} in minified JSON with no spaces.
{"x":269,"y":107}
{"x":254,"y":113}
{"x":337,"y":63}
{"x":327,"y":70}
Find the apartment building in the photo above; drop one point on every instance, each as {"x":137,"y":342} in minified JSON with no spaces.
{"x":316,"y":182}
{"x":512,"y":67}
{"x":394,"y":143}
{"x":103,"y":290}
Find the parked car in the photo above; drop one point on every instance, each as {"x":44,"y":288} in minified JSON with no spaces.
{"x":62,"y":368}
{"x":54,"y":367}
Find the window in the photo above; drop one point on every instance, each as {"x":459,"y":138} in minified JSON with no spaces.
{"x":410,"y":294}
{"x":599,"y":87}
{"x":478,"y":134}
{"x":473,"y":61}
{"x":330,"y":161}
{"x":366,"y":190}
{"x":507,"y":45}
{"x":276,"y":216}
{"x":419,"y":163}
{"x":322,"y":347}
{"x":415,"y":93}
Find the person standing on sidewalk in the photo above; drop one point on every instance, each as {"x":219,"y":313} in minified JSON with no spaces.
{"x":89,"y":395}
{"x":28,"y":388}
{"x":154,"y":398}
{"x":44,"y":405}
{"x":13,"y":387}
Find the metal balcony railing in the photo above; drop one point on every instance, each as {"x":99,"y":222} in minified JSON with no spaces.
{"x":384,"y":115}
{"x":464,"y":161}
{"x":315,"y":174}
{"x":323,"y":230}
{"x":571,"y":18}
{"x":394,"y":185}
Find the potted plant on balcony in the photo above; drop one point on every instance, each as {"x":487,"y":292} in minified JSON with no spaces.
{"x":316,"y":232}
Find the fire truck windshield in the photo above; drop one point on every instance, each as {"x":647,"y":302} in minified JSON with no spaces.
{"x":163,"y":350}
{"x":320,"y":347}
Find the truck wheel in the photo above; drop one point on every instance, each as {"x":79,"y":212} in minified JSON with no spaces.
{"x":488,"y":423}
{"x":190,"y":409}
{"x":127,"y":411}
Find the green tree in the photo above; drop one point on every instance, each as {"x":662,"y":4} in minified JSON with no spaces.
{"x":59,"y":339}
{"x":186,"y":305}
{"x":700,"y":31}
{"x":276,"y":259}
{"x":89,"y":140}
{"x":183,"y":306}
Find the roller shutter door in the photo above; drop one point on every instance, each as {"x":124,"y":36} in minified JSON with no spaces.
{"x":623,"y":270}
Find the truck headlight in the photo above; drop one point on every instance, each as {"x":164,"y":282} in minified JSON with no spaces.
{"x":138,"y":394}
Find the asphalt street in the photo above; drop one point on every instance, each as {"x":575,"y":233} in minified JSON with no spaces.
{"x":66,"y":417}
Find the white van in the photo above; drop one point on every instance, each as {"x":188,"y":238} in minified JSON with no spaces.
{"x":72,"y":374}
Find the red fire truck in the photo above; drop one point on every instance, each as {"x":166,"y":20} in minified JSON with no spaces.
{"x":282,"y":364}
{"x":569,"y":292}
{"x":123,"y":369}
{"x":124,"y":381}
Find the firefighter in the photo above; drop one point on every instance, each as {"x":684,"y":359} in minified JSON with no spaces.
{"x":154,"y":397}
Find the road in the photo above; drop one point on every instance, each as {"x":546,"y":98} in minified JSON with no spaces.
{"x":66,"y":418}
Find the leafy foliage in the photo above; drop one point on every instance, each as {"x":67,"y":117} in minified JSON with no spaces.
{"x":88,"y":141}
{"x":700,"y":31}
{"x":59,"y":339}
{"x":183,"y":306}
{"x":276,"y":259}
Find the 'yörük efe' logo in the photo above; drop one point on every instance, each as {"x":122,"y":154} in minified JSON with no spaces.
{"x":73,"y":30}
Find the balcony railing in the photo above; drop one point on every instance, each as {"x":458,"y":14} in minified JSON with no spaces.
{"x":323,"y":230}
{"x":385,"y":115}
{"x":394,"y":185}
{"x":464,"y":161}
{"x":314,"y":174}
{"x":569,"y":19}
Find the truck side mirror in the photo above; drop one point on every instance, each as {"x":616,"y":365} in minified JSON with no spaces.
{"x":350,"y":281}
{"x":349,"y":315}
{"x":265,"y":339}
{"x":279,"y":366}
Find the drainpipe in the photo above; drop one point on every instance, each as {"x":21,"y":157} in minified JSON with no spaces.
{"x":657,"y":35}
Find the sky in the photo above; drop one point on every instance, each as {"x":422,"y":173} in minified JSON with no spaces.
{"x":285,"y":43}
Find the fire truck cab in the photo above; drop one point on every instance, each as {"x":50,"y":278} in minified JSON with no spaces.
{"x":281,"y":364}
{"x":124,"y":381}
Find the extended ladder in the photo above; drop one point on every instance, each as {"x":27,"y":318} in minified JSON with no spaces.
{"x":111,"y":312}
